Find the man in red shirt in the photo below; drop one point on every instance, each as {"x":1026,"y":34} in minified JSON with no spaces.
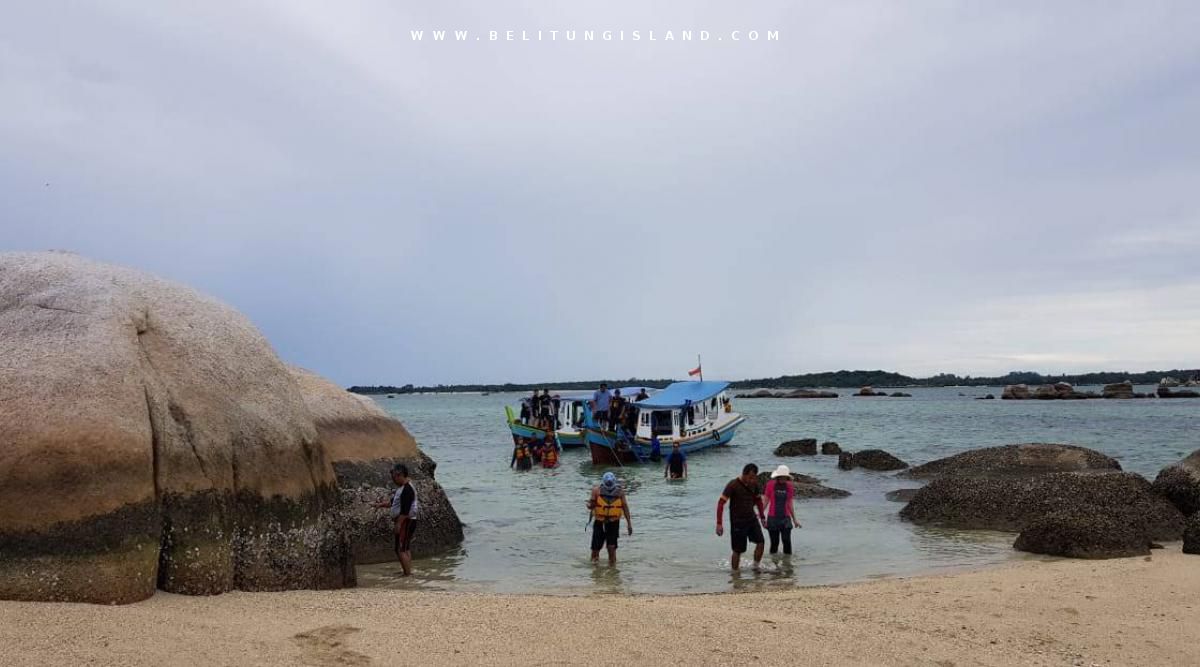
{"x":744,"y":498}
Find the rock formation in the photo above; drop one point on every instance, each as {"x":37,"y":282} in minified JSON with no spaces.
{"x":1087,"y":535}
{"x":1016,"y":392}
{"x":795,"y":393}
{"x":1118,"y":390}
{"x":830,"y":448}
{"x":868,"y":391}
{"x":846,"y":461}
{"x":1026,"y":459}
{"x":901,"y":495}
{"x":1191,"y":535}
{"x":363,"y":443}
{"x":1013,"y":503}
{"x":1167,"y":392}
{"x":877,"y":459}
{"x":804,"y":447}
{"x":1045,"y":392}
{"x":1180,"y":483}
{"x":806,"y":487}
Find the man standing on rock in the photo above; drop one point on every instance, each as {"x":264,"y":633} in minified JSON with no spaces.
{"x":744,"y":498}
{"x":403,"y":511}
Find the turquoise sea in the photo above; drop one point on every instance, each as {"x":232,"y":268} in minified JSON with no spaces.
{"x":526,"y":532}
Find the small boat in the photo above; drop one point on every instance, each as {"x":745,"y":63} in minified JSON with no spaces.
{"x":571,"y":410}
{"x":697,"y":415}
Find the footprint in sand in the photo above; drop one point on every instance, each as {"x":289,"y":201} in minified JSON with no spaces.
{"x":324,"y":646}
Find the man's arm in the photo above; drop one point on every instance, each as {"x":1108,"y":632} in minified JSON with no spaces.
{"x":720,"y":514}
{"x":758,"y":505}
{"x":625,"y":509}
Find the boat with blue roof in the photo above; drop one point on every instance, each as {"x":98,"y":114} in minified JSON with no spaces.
{"x":697,"y":415}
{"x":570,"y":409}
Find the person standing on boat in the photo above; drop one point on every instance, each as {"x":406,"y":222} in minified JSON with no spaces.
{"x":535,"y":408}
{"x":547,"y":410}
{"x":642,"y":395}
{"x":742,"y":494}
{"x":403,"y":512}
{"x":615,"y":408}
{"x":780,"y":494}
{"x":608,"y":504}
{"x":600,"y":402}
{"x":676,"y":464}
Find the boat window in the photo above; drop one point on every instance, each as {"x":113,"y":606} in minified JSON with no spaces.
{"x":662,"y":422}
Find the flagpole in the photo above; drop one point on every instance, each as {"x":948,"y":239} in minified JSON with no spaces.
{"x":701,"y":367}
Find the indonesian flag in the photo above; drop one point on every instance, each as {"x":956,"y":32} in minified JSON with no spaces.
{"x":694,"y":371}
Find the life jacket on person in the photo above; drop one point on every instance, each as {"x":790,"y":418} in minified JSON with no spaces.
{"x":550,"y":457}
{"x":608,"y":508}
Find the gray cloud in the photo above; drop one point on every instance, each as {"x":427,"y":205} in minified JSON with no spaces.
{"x":972,"y":189}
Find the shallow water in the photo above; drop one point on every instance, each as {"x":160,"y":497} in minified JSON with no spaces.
{"x":527,"y":532}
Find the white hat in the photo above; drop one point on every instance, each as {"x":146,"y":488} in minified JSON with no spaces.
{"x":781,"y":471}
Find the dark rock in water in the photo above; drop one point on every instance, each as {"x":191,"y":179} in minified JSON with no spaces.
{"x":1191,"y":535}
{"x":810,"y":393}
{"x":1118,"y":390}
{"x":877,"y":459}
{"x":900,"y":394}
{"x":901,"y":495}
{"x":1084,"y":534}
{"x":1167,"y":392}
{"x":804,"y":447}
{"x":1025,"y":459}
{"x":1013,"y":503}
{"x":761,"y":393}
{"x":989,"y":397}
{"x":846,"y":460}
{"x":1015,"y":392}
{"x":806,"y":487}
{"x":868,"y":391}
{"x":830,"y":448}
{"x":1180,"y":483}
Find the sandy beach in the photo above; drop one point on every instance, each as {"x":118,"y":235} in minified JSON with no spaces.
{"x":1138,"y":611}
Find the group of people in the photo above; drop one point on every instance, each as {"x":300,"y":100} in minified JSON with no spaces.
{"x":530,"y":451}
{"x":751,"y":509}
{"x":541,"y":410}
{"x":611,"y":409}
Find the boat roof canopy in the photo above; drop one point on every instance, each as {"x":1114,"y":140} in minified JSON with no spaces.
{"x":675,"y":395}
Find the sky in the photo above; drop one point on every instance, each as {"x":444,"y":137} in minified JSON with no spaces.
{"x":912,"y":186}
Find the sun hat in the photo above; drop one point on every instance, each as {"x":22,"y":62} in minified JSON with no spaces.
{"x":781,"y":471}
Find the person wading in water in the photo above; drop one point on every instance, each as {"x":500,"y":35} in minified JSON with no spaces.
{"x":780,"y":494}
{"x":742,"y":494}
{"x":608,"y":504}
{"x":403,"y":512}
{"x":676,"y":464}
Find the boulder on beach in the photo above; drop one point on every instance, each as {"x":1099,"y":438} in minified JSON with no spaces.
{"x":1024,"y":459}
{"x":1118,"y":390}
{"x":830,"y":448}
{"x":363,"y":443}
{"x":846,"y":461}
{"x":1180,"y":483}
{"x":150,"y":438}
{"x":1015,"y":392}
{"x":806,"y":487}
{"x":1086,"y":534}
{"x":1013,"y":503}
{"x":901,"y":495}
{"x":803,"y":447}
{"x":1191,"y":535}
{"x":877,"y":459}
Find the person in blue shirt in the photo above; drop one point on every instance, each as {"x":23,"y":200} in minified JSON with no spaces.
{"x":655,"y":449}
{"x":676,"y":463}
{"x":600,"y":401}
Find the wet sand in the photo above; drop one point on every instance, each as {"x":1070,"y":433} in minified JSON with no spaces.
{"x":1118,"y":612}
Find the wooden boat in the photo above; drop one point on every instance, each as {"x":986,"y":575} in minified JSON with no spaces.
{"x":697,"y":415}
{"x":571,"y":410}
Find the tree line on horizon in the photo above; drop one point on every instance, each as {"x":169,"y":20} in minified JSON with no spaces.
{"x":838,"y":379}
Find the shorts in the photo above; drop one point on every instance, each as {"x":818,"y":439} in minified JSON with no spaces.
{"x":601,"y":416}
{"x":738,"y":535}
{"x":405,"y":535}
{"x":605,"y":532}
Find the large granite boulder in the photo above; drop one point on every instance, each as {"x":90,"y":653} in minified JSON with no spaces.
{"x":1015,"y":392}
{"x":150,"y":437}
{"x":803,"y":447}
{"x":1180,"y":483}
{"x":1084,"y":535}
{"x":877,"y":459}
{"x":1045,"y":392}
{"x":1013,"y":503}
{"x":901,"y":495}
{"x":1024,"y":459}
{"x":363,"y":443}
{"x":845,"y":461}
{"x":1191,"y":535}
{"x":1118,"y":390}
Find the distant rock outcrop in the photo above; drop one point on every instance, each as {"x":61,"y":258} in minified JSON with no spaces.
{"x":1013,"y":503}
{"x":1084,"y":535}
{"x":1118,"y":390}
{"x":803,"y":447}
{"x":900,"y":394}
{"x":1016,"y":392}
{"x":868,"y":391}
{"x":1167,"y":392}
{"x":830,"y":448}
{"x":1025,"y":459}
{"x":794,"y":393}
{"x":1180,"y":483}
{"x":1045,"y":392}
{"x":150,"y":438}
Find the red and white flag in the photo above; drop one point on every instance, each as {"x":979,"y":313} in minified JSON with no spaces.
{"x":694,"y":371}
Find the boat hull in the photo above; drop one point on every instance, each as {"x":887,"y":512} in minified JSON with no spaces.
{"x":526,"y":431}
{"x":569,"y":439}
{"x":601,"y":444}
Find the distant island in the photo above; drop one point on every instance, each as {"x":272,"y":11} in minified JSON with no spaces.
{"x":844,"y":379}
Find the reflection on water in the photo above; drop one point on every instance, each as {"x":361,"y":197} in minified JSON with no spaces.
{"x":528,"y":532}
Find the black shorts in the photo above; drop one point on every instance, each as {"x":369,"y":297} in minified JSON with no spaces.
{"x":738,"y":535}
{"x":404,"y":537}
{"x":605,"y":532}
{"x":601,"y":416}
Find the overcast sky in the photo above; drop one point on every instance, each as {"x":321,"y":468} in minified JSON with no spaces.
{"x":919,"y":187}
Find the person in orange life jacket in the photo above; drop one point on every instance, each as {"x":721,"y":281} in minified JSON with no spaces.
{"x":521,"y":458}
{"x":550,"y":453}
{"x":743,"y":495}
{"x":403,"y":512}
{"x":608,"y":504}
{"x":780,"y":496}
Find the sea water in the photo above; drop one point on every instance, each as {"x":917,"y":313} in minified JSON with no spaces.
{"x":527,"y":532}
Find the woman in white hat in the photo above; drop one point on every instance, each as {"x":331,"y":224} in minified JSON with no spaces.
{"x":779,"y":496}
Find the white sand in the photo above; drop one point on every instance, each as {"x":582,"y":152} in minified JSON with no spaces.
{"x":1117,"y":612}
